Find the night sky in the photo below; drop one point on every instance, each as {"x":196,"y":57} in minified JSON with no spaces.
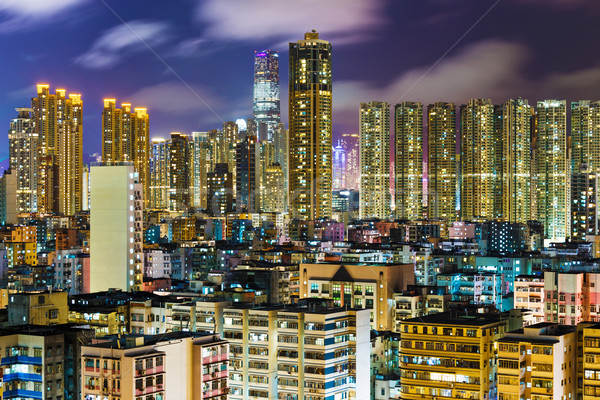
{"x":152,"y":52}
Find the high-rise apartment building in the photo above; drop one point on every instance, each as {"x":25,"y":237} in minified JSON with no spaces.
{"x":179,"y":172}
{"x":281,"y":146}
{"x":248,"y":175}
{"x":58,"y":122}
{"x":441,"y":162}
{"x":553,"y":168}
{"x":339,"y":167}
{"x":201,"y":154}
{"x":116,"y":228}
{"x":351,"y":144}
{"x":310,"y":94}
{"x":585,"y":135}
{"x":23,"y":155}
{"x":409,"y":160}
{"x":516,"y":163}
{"x":375,"y":160}
{"x":266,"y":94}
{"x":125,"y":137}
{"x":272,"y":189}
{"x":479,"y":166}
{"x":220,"y":190}
{"x":159,"y":174}
{"x":584,"y":204}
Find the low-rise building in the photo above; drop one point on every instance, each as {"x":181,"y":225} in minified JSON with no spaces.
{"x":303,"y":353}
{"x":451,"y":354}
{"x":179,"y":365}
{"x":367,"y":286}
{"x":538,"y":362}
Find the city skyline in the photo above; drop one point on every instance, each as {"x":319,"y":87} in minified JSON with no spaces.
{"x":517,"y":59}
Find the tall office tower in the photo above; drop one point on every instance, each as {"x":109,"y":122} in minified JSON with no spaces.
{"x":179,"y":172}
{"x":58,"y":122}
{"x":116,"y":228}
{"x":159,"y":175}
{"x":266,"y":93}
{"x":479,"y":166}
{"x":339,"y":167}
{"x":281,"y":146}
{"x":375,"y":160}
{"x":23,"y":154}
{"x":409,"y":160}
{"x":201,"y":167}
{"x":220,"y":190}
{"x":248,"y":175}
{"x":310,"y":128}
{"x":584,"y":206}
{"x":125,"y":137}
{"x":516,"y":168}
{"x":552,"y":169}
{"x":585,"y":135}
{"x":441,"y":165}
{"x":351,"y":144}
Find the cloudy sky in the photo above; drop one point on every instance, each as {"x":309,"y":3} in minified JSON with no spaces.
{"x":190,"y":61}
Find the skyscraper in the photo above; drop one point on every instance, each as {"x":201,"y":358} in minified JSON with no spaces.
{"x":374,"y":160}
{"x":220,"y":190}
{"x":584,"y":205}
{"x":201,"y":155}
{"x":478,"y":160}
{"x":441,"y":165}
{"x":552,"y":168}
{"x":266,"y":93}
{"x":281,"y":147}
{"x":310,"y":94}
{"x":516,"y":140}
{"x":23,"y":154}
{"x":585,"y":135}
{"x":179,"y":172}
{"x":58,"y":122}
{"x":159,"y":175}
{"x":350,"y":144}
{"x":125,"y":137}
{"x":409,"y":160}
{"x":339,"y":167}
{"x":248,"y":175}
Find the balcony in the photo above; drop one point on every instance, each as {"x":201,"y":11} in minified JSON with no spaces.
{"x":148,"y":390}
{"x":215,"y":375}
{"x":22,"y":376}
{"x":21,"y":360}
{"x":214,"y":359}
{"x":22,"y":393}
{"x":149,"y":371}
{"x":213,"y":393}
